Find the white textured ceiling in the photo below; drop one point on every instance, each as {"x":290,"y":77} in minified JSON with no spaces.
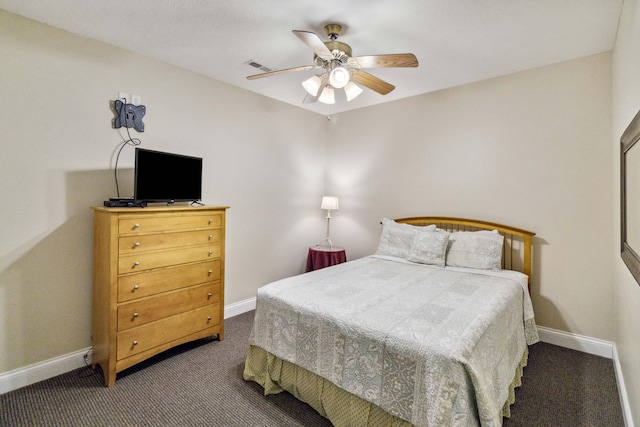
{"x":455,"y":41}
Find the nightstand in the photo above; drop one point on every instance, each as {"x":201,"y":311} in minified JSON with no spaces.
{"x":325,"y":256}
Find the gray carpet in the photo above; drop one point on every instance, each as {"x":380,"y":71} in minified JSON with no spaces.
{"x":200,"y":384}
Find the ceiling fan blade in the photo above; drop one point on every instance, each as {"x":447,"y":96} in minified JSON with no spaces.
{"x":372,"y":82}
{"x":315,"y":43}
{"x":380,"y":61}
{"x":278,"y":72}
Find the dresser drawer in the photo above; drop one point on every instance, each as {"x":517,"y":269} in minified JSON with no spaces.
{"x":153,"y":223}
{"x":133,"y":286}
{"x":149,"y":242}
{"x":146,"y":337}
{"x":140,"y":312}
{"x":149,"y":260}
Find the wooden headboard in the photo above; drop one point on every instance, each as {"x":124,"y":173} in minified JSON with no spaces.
{"x":516,"y":250}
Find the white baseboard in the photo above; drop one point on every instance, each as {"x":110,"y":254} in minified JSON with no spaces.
{"x":576,"y":342}
{"x":239,"y":307}
{"x":37,"y":372}
{"x":622,"y":390}
{"x":41,"y":371}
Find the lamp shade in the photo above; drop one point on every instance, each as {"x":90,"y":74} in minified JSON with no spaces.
{"x":312,"y":85}
{"x":329,"y":203}
{"x":339,"y":77}
{"x":327,"y":96}
{"x":352,"y":90}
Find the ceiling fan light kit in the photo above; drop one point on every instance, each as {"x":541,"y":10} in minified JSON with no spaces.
{"x":312,"y":85}
{"x":352,"y":90}
{"x":340,"y":69}
{"x":339,"y":77}
{"x":327,"y":96}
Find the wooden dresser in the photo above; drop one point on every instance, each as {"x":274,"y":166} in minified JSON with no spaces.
{"x":158,"y":281}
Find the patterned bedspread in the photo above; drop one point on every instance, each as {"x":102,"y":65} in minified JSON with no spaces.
{"x":433,"y":346}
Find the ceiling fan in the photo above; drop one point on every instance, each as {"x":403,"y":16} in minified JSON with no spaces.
{"x":340,"y":69}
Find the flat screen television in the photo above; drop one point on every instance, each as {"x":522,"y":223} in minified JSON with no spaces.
{"x":167,"y":177}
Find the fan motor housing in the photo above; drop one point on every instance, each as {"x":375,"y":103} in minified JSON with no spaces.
{"x":339,"y":46}
{"x":341,"y":51}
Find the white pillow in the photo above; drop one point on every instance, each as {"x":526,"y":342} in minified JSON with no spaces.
{"x":476,"y":249}
{"x":429,"y":247}
{"x":397,"y":239}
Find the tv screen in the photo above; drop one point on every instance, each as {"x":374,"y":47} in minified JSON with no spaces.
{"x":167,"y":177}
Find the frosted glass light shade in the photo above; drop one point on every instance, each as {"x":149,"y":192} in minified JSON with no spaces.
{"x":327,"y":97}
{"x":352,"y":90}
{"x":339,"y":77}
{"x":312,"y":85}
{"x":329,"y":203}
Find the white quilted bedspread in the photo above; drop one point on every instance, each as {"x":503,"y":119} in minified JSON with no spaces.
{"x":434,"y":346}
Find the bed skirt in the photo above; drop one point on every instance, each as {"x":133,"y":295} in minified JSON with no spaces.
{"x":340,"y":407}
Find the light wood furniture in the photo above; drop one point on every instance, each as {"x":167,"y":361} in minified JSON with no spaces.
{"x":158,"y":281}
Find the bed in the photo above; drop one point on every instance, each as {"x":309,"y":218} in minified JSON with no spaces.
{"x":433,"y":329}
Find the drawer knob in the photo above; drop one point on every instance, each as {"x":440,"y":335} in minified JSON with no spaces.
{"x":209,"y":272}
{"x":136,"y":244}
{"x":208,"y":318}
{"x":210,"y":221}
{"x":135,"y":343}
{"x":209,"y":295}
{"x":210,"y":252}
{"x":136,"y":263}
{"x":136,"y":287}
{"x":135,"y":315}
{"x":136,"y":225}
{"x":210,"y":236}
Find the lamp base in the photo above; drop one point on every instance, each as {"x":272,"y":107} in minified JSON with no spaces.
{"x":328,"y":241}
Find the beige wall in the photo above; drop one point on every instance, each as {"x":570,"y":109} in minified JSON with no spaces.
{"x":529,"y":149}
{"x":626,"y":103}
{"x":56,"y":154}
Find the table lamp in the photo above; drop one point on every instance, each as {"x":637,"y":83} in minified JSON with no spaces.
{"x":330,"y":203}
